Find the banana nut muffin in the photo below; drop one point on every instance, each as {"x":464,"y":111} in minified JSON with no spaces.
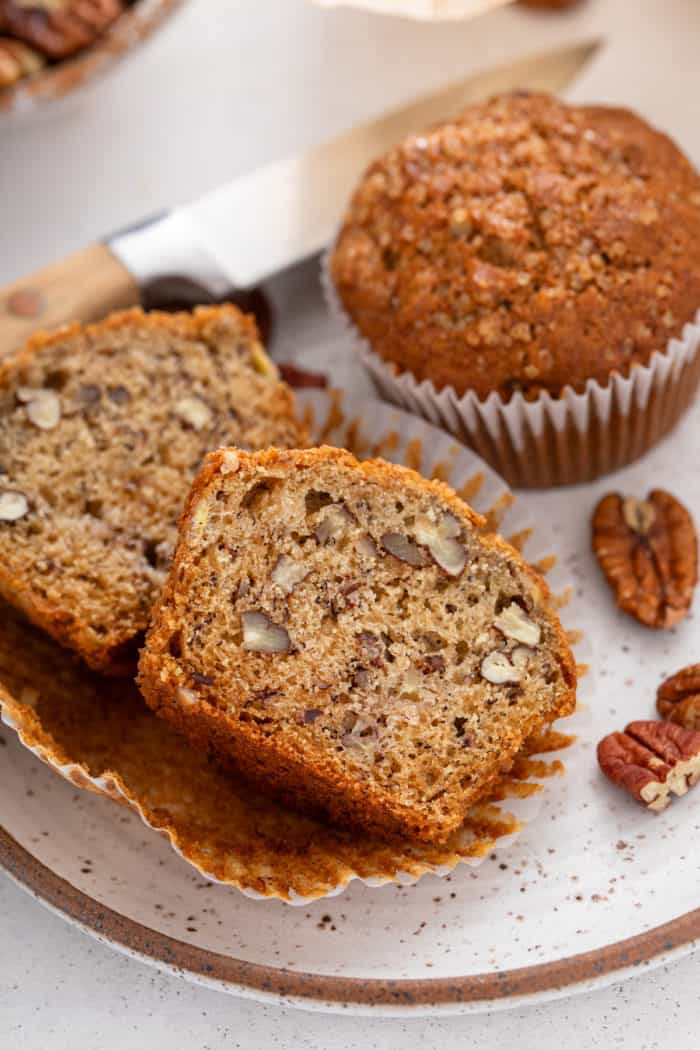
{"x":526,"y":245}
{"x":102,"y":428}
{"x":346,"y":634}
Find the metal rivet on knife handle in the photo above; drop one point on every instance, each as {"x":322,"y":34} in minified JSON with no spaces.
{"x":26,"y":302}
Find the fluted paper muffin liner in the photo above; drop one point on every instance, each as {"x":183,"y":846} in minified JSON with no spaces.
{"x":548,"y":441}
{"x":100,"y":735}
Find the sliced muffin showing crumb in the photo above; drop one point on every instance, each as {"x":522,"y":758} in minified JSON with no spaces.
{"x":102,"y":429}
{"x":349,"y":638}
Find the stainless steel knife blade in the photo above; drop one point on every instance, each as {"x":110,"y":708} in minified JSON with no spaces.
{"x":263,"y":222}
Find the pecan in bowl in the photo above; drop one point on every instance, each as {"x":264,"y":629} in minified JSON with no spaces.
{"x":648,"y":552}
{"x":651,"y":761}
{"x":17,"y":60}
{"x":58,"y":28}
{"x":678,"y":698}
{"x":65,"y":44}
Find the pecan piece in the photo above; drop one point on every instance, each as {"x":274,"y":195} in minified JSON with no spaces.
{"x":497,"y":669}
{"x":301,"y":378}
{"x":58,"y":28}
{"x":17,"y":60}
{"x":652,"y":761}
{"x":262,"y":635}
{"x":288,"y":573}
{"x":13,"y":506}
{"x":648,"y":552}
{"x":371,"y":647}
{"x":431,"y":664}
{"x":441,"y":540}
{"x":403,"y":549}
{"x":678,"y":698}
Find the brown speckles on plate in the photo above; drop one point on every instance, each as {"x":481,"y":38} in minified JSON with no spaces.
{"x":272,"y":982}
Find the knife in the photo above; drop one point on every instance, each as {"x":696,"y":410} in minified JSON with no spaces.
{"x":258,"y":224}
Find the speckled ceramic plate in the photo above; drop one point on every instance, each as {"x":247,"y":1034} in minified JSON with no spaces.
{"x":592,"y":889}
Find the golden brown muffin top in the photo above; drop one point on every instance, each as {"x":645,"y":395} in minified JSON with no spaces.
{"x":526,"y":245}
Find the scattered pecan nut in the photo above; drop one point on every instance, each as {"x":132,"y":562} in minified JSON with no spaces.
{"x":652,"y":761}
{"x":648,"y":552}
{"x":678,"y":698}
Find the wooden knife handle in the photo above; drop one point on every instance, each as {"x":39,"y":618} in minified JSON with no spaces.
{"x":82,"y":287}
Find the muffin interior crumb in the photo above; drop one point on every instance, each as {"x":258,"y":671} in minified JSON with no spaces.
{"x":311,"y":602}
{"x":101,"y":433}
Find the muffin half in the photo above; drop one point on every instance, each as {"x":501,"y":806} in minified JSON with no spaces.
{"x":348,"y":637}
{"x":102,"y":429}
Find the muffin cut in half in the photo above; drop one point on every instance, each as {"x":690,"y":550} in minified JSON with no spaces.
{"x":345,"y":633}
{"x":102,"y":429}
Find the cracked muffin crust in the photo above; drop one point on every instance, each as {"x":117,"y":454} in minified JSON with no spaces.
{"x":102,"y":429}
{"x":348,"y":638}
{"x":526,"y":245}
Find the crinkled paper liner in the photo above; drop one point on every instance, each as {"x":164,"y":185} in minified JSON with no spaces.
{"x":99,"y":734}
{"x":550,"y":441}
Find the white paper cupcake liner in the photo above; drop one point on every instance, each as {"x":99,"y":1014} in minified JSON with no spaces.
{"x":369,"y":428}
{"x":576,"y":437}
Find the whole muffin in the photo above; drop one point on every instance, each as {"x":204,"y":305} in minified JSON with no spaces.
{"x":526,"y":245}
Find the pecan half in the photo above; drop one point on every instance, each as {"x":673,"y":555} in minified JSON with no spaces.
{"x":652,"y":761}
{"x":678,"y":698}
{"x":648,"y":552}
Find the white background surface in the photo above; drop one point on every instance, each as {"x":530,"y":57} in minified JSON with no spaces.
{"x":216,"y":94}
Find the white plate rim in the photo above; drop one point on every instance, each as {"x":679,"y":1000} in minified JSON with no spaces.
{"x":475,"y":993}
